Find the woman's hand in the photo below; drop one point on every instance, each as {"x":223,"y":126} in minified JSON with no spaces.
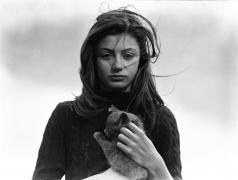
{"x":135,"y":143}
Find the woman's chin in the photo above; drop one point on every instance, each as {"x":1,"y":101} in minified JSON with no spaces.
{"x":118,"y":88}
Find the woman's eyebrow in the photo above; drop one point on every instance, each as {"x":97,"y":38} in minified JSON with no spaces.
{"x":106,"y":49}
{"x":112,"y":50}
{"x":129,"y":49}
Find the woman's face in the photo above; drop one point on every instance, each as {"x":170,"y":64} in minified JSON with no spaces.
{"x":117,"y":62}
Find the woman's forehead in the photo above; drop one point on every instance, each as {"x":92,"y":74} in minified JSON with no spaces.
{"x":119,"y":41}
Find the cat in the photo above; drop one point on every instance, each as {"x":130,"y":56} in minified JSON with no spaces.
{"x":118,"y":161}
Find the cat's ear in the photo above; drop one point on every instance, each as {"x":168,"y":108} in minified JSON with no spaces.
{"x":124,"y":118}
{"x":113,"y":109}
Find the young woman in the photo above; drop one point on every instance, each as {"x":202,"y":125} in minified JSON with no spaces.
{"x":115,"y":70}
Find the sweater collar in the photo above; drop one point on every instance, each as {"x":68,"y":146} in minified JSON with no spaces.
{"x":119,"y":99}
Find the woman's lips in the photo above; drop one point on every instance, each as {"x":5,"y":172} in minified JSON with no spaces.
{"x":117,"y":77}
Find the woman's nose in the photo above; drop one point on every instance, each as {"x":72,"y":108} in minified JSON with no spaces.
{"x":117,"y":64}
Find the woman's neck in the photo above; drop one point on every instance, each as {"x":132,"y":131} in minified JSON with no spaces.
{"x":116,"y":98}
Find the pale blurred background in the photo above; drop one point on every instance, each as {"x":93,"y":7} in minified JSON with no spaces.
{"x":40,"y":45}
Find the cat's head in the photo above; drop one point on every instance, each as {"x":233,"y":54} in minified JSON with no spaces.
{"x":118,"y":119}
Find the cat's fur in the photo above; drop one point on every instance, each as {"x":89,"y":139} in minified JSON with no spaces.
{"x":117,"y":159}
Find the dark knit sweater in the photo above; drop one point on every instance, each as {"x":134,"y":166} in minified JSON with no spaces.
{"x":68,"y":147}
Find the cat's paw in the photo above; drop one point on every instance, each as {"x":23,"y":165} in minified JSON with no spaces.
{"x":102,"y":140}
{"x":99,"y":137}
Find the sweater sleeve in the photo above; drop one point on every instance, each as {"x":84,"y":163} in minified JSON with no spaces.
{"x":165,"y":137}
{"x":51,"y":156}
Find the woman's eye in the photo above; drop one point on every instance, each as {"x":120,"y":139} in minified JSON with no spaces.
{"x":128,"y":56}
{"x":106,"y":56}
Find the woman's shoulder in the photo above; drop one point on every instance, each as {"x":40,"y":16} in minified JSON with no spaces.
{"x":63,"y":114}
{"x":64,"y":105}
{"x":165,"y":113}
{"x":165,"y":119}
{"x":63,"y":110}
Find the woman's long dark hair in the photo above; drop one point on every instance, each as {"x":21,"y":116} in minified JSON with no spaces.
{"x":143,"y":95}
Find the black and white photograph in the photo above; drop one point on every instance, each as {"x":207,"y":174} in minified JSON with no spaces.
{"x":122,"y":90}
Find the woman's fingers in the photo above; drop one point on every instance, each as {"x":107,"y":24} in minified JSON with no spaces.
{"x":129,"y":134}
{"x":135,"y":129}
{"x":127,"y":141}
{"x":134,"y":137}
{"x":138,"y":147}
{"x":124,"y":148}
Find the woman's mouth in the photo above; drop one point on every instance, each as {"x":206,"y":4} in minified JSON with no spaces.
{"x":117,"y":77}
